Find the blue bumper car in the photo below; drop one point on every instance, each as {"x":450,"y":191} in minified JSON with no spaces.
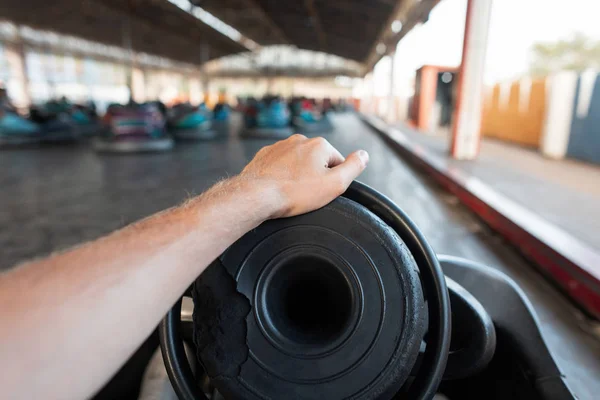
{"x":16,"y":130}
{"x":191,"y":123}
{"x":268,"y":119}
{"x":221,"y":118}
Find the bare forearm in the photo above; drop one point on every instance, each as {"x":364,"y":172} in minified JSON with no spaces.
{"x":89,"y":308}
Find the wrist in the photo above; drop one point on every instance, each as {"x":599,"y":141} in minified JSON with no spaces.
{"x":256,"y":199}
{"x":264,"y":196}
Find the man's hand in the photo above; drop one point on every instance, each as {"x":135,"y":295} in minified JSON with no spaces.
{"x":303,"y":174}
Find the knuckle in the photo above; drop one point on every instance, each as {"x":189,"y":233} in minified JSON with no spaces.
{"x":319,"y":141}
{"x":296,"y":136}
{"x":264,"y":149}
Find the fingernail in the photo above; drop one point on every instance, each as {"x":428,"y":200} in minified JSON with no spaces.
{"x":364,"y":156}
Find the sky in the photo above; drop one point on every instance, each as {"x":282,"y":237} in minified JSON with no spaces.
{"x":514,"y":27}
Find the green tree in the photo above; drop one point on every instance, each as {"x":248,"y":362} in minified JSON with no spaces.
{"x":576,"y":53}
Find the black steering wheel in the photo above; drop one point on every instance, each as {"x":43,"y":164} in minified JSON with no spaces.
{"x":269,"y":327}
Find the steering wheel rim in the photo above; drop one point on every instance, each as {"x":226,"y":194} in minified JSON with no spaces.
{"x":433,"y":282}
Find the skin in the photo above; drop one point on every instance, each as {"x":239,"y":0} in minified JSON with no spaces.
{"x":71,"y":320}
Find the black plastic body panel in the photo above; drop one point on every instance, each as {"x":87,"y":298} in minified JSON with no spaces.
{"x":522,"y":367}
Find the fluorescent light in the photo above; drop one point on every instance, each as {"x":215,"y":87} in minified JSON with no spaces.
{"x":215,"y":23}
{"x":396,"y":26}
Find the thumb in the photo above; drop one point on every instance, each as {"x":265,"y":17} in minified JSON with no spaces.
{"x":352,"y":167}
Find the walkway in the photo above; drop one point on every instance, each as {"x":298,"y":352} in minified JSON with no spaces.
{"x":564,"y":192}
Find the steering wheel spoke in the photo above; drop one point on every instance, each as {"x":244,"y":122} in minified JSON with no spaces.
{"x":187,"y":322}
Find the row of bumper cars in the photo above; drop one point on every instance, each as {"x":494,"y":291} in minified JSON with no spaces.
{"x":152,"y":126}
{"x":52,"y":122}
{"x":134,"y":129}
{"x":267,"y":119}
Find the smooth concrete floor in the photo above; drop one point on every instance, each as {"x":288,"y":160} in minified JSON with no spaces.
{"x":53,"y":198}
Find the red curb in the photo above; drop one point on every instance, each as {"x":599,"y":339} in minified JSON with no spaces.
{"x":571,"y":264}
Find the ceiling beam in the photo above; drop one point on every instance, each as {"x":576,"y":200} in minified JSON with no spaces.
{"x":101,"y":21}
{"x":135,"y":9}
{"x":354,"y":7}
{"x":411,"y":13}
{"x":399,"y":9}
{"x":253,"y":4}
{"x":204,"y":31}
{"x":316,"y":20}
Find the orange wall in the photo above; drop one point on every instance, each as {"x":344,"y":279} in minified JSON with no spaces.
{"x":514,"y":121}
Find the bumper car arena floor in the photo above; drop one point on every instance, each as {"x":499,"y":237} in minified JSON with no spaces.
{"x":56,"y":197}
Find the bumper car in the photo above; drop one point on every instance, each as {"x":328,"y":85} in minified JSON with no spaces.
{"x":327,"y":105}
{"x":268,"y":119}
{"x":86,"y":120}
{"x":56,"y":122}
{"x":133,"y":129}
{"x":221,"y":116}
{"x":159,"y":105}
{"x":63,"y":121}
{"x":16,"y":130}
{"x":307,"y":119}
{"x":350,"y":301}
{"x":191,"y":123}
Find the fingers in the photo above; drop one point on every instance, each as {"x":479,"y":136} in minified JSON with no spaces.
{"x":347,"y":171}
{"x":331,"y":156}
{"x":334,"y":157}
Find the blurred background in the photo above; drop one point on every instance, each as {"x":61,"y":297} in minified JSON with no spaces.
{"x":482,"y":119}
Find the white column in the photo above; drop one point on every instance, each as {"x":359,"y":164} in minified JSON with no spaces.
{"x":466,"y":134}
{"x":195,"y":90}
{"x":128,"y":45}
{"x":206,"y":88}
{"x":18,"y":81}
{"x":138,"y":85}
{"x":371,"y":91}
{"x":205,"y":57}
{"x":560,"y":102}
{"x":391,"y":111}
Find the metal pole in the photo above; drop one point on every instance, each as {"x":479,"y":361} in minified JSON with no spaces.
{"x":204,"y":57}
{"x":128,"y":45}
